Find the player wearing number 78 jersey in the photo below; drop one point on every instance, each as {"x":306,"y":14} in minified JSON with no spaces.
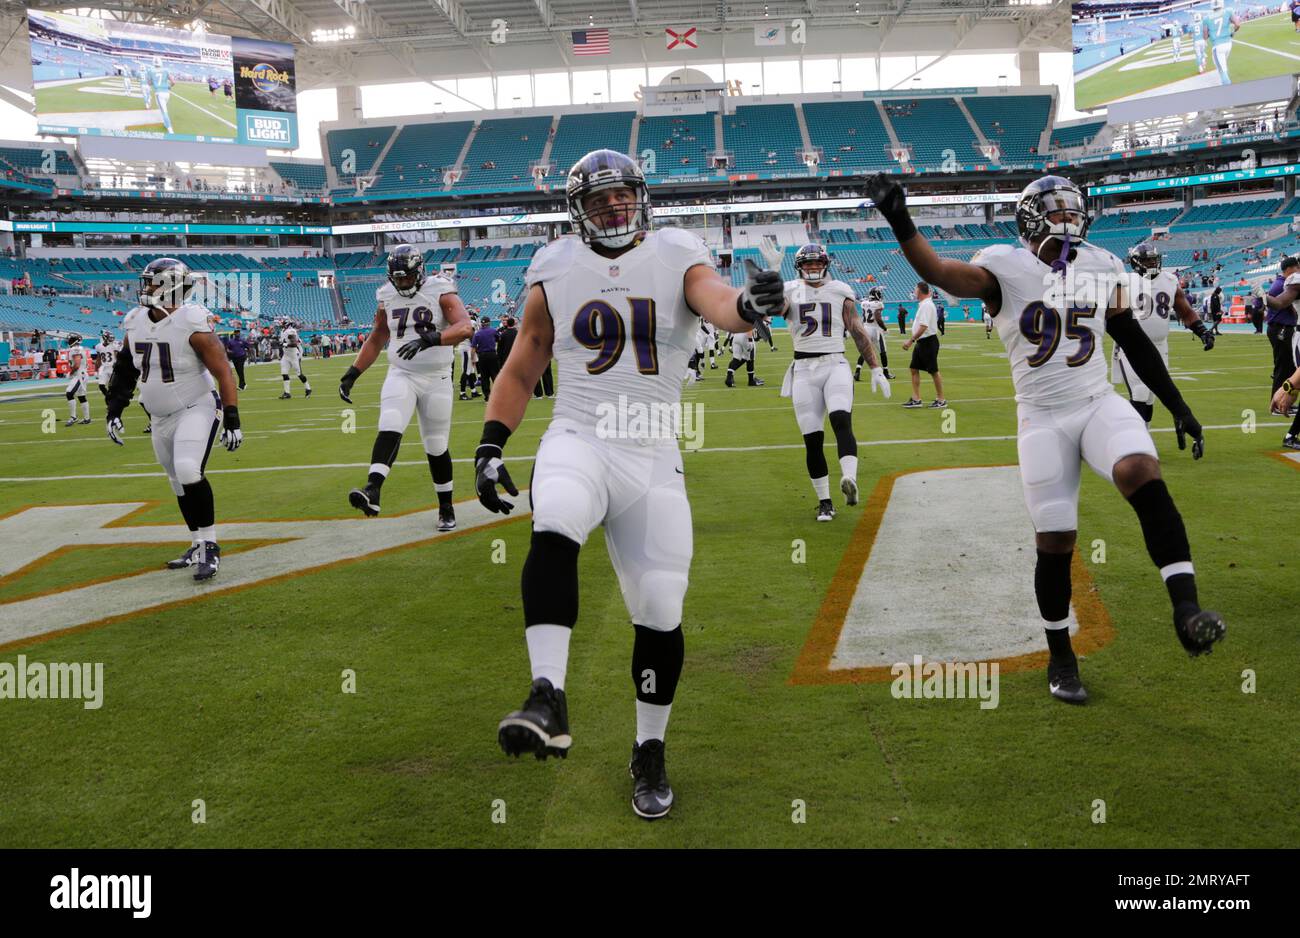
{"x":419,"y":319}
{"x":1051,"y":296}
{"x":618,"y":307}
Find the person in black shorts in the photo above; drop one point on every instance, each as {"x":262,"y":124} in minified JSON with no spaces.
{"x":924,"y":342}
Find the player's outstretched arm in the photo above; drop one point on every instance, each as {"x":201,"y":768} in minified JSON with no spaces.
{"x":213,"y":355}
{"x":1150,"y":367}
{"x":1187,"y":316}
{"x":511,"y":392}
{"x":956,"y":278}
{"x":120,"y":388}
{"x":727,"y":307}
{"x":1284,"y":299}
{"x":367,"y":354}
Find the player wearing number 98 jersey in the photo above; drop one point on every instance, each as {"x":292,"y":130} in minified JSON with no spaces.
{"x":1157,"y":298}
{"x":1051,"y":295}
{"x":419,"y":319}
{"x":170,"y":351}
{"x":618,"y":307}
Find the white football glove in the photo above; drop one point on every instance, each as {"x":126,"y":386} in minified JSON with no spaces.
{"x":878,"y":380}
{"x":231,"y":439}
{"x":116,"y":432}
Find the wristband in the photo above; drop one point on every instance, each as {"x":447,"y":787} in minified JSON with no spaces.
{"x":495,"y":433}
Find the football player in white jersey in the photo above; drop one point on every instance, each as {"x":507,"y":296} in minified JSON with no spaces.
{"x":105,"y":354}
{"x":1220,"y":26}
{"x":291,"y":359}
{"x":169,"y":348}
{"x":1178,"y":42}
{"x":742,"y":353}
{"x":75,"y":389}
{"x":873,"y":317}
{"x":1198,"y":39}
{"x":1054,"y":296}
{"x":1156,"y":297}
{"x":419,"y":319}
{"x":618,"y":306}
{"x":820,"y":312}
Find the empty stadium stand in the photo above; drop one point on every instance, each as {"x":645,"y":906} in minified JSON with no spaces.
{"x":1015,"y":123}
{"x":682,"y":144}
{"x":763,"y":138}
{"x":502,"y":152}
{"x":850,"y":133}
{"x":579,"y":134}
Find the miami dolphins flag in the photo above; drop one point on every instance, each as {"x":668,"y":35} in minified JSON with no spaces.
{"x":766,"y":35}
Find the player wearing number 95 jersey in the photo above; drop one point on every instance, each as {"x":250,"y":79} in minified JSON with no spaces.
{"x":1156,"y":298}
{"x":618,"y":307}
{"x":169,"y":349}
{"x":1051,"y":295}
{"x":419,"y":319}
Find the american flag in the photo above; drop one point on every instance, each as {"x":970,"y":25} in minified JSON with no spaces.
{"x":591,"y":42}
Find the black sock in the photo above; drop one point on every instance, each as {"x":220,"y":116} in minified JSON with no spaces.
{"x":1052,"y":589}
{"x":846,"y":444}
{"x":202,"y":509}
{"x":815,"y":455}
{"x":387,"y":443}
{"x":1295,"y":425}
{"x":187,"y":510}
{"x":1166,"y":538}
{"x":661,"y":654}
{"x":735,"y":363}
{"x":1058,"y":644}
{"x":440,"y":469}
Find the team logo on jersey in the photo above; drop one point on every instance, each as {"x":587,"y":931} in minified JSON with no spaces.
{"x":613,"y":270}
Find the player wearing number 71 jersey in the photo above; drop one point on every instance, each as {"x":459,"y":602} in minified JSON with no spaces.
{"x":1051,"y":296}
{"x":169,"y":349}
{"x":419,"y":319}
{"x":1157,"y":298}
{"x":618,"y":306}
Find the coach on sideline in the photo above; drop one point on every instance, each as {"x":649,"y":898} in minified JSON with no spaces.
{"x":925,"y":336}
{"x":1281,"y":298}
{"x":237,"y":352}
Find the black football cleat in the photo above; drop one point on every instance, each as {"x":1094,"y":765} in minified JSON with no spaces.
{"x":207,"y":560}
{"x":70,"y":422}
{"x":285,"y":396}
{"x":1063,"y":681}
{"x":1290,"y":442}
{"x":730,"y":380}
{"x":755,"y":382}
{"x":889,"y":376}
{"x":541,"y":726}
{"x":85,"y":420}
{"x":446,"y":518}
{"x":366,"y":499}
{"x":652,"y":796}
{"x":850,"y":489}
{"x":186,"y":559}
{"x":307,"y":393}
{"x":1199,"y":630}
{"x":147,"y":430}
{"x":825,"y":510}
{"x":857,"y":374}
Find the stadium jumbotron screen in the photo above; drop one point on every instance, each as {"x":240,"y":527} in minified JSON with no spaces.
{"x":93,"y":76}
{"x":1128,"y":50}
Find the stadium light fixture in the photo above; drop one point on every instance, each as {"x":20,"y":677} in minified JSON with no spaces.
{"x":333,"y":35}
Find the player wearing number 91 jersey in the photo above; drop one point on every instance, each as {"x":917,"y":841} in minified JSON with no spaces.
{"x":618,"y":306}
{"x":418,"y":319}
{"x":1051,"y":295}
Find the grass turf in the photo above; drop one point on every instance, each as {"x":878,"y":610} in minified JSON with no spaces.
{"x":237,"y":699}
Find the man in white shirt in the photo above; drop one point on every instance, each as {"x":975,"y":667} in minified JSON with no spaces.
{"x":925,"y":357}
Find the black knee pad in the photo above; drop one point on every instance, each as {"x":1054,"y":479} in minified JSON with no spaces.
{"x":81,"y":400}
{"x":69,"y":395}
{"x":657,"y":664}
{"x":842,"y":424}
{"x":550,"y":580}
{"x":1162,"y":525}
{"x":814,"y":455}
{"x":387,"y":443}
{"x":440,"y":466}
{"x":1052,"y":585}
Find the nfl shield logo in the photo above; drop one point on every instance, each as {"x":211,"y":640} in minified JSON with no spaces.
{"x":613,"y":270}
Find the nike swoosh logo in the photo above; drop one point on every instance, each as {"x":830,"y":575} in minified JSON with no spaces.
{"x":680,"y":472}
{"x":663,"y":803}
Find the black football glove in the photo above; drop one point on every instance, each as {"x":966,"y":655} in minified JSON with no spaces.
{"x":1186,"y":426}
{"x":764,"y":293}
{"x":231,"y":435}
{"x":116,"y":432}
{"x":489,"y":469}
{"x":891,"y":202}
{"x":427,"y":339}
{"x":1204,"y":334}
{"x":345,"y":383}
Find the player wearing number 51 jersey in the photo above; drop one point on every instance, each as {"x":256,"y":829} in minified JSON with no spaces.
{"x":821,"y":312}
{"x":618,"y":307}
{"x":1157,"y":298}
{"x":419,"y":319}
{"x":170,"y":351}
{"x":1051,"y":297}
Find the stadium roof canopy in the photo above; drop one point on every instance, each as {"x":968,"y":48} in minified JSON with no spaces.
{"x":343,"y":42}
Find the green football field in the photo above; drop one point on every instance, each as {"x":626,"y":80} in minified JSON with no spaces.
{"x":1261,"y":48}
{"x":194,"y":111}
{"x":233,"y":703}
